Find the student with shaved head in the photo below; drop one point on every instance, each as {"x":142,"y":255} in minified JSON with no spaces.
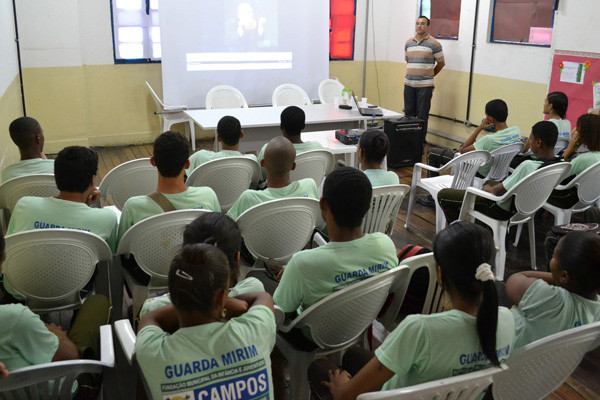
{"x":278,"y":162}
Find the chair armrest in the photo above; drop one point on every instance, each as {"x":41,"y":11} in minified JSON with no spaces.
{"x":279,"y":317}
{"x":469,"y":200}
{"x":107,"y":348}
{"x":319,"y":240}
{"x":427,"y":167}
{"x":126,"y":337}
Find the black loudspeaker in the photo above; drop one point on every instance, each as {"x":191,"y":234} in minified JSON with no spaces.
{"x":406,"y":141}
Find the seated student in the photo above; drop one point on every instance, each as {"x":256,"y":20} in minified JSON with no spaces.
{"x":565,"y":297}
{"x":170,"y":157}
{"x":223,"y":231}
{"x":28,"y":135}
{"x":229,"y":133}
{"x":25,"y":340}
{"x":496,"y":113}
{"x":350,"y":255}
{"x":372,"y":149}
{"x":278,"y":160}
{"x":178,"y":345}
{"x":473,"y":335}
{"x":292,"y":123}
{"x":555,"y":107}
{"x":542,"y":139}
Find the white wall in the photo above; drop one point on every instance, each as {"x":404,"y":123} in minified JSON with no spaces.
{"x":9,"y":67}
{"x":577,"y":25}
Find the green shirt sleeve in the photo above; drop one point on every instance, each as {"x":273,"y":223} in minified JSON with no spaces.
{"x":34,"y":341}
{"x":288,"y":294}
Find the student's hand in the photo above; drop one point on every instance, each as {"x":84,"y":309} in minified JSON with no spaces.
{"x":57,"y":330}
{"x":93,"y":198}
{"x":235,"y":307}
{"x":280,"y":274}
{"x":337,"y":378}
{"x":486,"y":123}
{"x":3,"y":371}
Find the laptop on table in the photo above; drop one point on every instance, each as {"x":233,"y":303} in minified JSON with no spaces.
{"x":367,"y":111}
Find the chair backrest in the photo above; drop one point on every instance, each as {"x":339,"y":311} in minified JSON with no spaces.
{"x":132,"y":178}
{"x":228,"y":177}
{"x":340,"y":318}
{"x":560,"y":145}
{"x":433,"y":300}
{"x":290,"y":95}
{"x":29,"y":185}
{"x":55,"y":380}
{"x":465,"y":166}
{"x":588,"y":186}
{"x":225,"y":96}
{"x":50,"y":266}
{"x":501,"y":159}
{"x":277,"y":229}
{"x":462,"y":387}
{"x":531,"y":192}
{"x":329,"y":89}
{"x":154,"y":242}
{"x":539,"y":368}
{"x":315,"y":164}
{"x":385,"y":204}
{"x":157,"y":101}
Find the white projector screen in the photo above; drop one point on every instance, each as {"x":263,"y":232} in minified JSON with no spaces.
{"x":253,"y":45}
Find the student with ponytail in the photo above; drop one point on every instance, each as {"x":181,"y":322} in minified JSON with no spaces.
{"x":473,"y":335}
{"x":372,"y":148}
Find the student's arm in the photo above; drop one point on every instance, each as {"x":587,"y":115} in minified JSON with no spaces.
{"x":66,"y":348}
{"x":257,"y":299}
{"x":438,"y":67}
{"x":496,"y":190}
{"x":165,"y":318}
{"x":468,"y":145}
{"x":517,"y":284}
{"x":369,"y":379}
{"x":573,"y":144}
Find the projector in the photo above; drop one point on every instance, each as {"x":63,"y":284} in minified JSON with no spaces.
{"x":349,"y":136}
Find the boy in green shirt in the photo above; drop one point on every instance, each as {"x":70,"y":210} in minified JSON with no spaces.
{"x":28,"y":135}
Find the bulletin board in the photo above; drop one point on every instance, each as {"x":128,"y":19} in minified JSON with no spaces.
{"x":577,"y":74}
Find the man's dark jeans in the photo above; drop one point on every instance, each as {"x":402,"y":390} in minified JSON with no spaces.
{"x":417,"y":102}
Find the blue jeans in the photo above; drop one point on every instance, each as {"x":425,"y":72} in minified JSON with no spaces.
{"x":417,"y":102}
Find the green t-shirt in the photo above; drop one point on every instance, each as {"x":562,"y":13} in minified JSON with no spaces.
{"x":425,"y":348}
{"x":522,"y":171}
{"x":202,"y":156}
{"x":248,"y":285}
{"x":564,"y":128}
{"x":300,"y":148}
{"x":138,"y":208}
{"x":494,"y":141}
{"x":546,"y":309}
{"x":584,"y":161}
{"x":28,"y":167}
{"x":312,"y":275}
{"x":381,"y":177}
{"x":24,"y":339}
{"x":213,"y":361}
{"x":250,"y":198}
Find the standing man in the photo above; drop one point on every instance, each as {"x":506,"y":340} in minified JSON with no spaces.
{"x":424,"y":59}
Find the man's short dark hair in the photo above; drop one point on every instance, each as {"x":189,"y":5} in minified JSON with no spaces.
{"x":347,"y":192}
{"x":428,"y":21}
{"x":292,"y":120}
{"x":23,"y":130}
{"x":497,"y":109}
{"x":546,"y":131}
{"x":229,"y":130}
{"x":171,"y":151}
{"x":74,"y":168}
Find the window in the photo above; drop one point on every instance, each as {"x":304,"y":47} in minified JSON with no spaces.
{"x":523,"y":22}
{"x":444,"y":16}
{"x":342,"y":18}
{"x":136,"y":31}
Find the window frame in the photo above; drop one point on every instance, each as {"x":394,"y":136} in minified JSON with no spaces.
{"x":147,"y":42}
{"x":491,"y":38}
{"x":439,"y":37}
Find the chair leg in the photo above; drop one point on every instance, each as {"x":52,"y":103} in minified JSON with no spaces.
{"x":192,"y":134}
{"x":518,"y":236}
{"x":299,"y":387}
{"x":562,"y":218}
{"x":411,"y":204}
{"x":500,"y":241}
{"x":531,"y":229}
{"x":440,"y":218}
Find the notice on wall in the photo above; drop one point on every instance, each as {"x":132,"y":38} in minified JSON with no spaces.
{"x":572,"y":72}
{"x":596,"y":89}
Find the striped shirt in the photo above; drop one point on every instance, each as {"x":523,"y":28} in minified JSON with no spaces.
{"x":421,"y":58}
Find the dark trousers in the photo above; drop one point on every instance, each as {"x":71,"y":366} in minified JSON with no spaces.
{"x":417,"y":102}
{"x":437,"y":157}
{"x":450,"y":201}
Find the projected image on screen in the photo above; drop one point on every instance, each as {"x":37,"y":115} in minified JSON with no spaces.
{"x":250,"y":36}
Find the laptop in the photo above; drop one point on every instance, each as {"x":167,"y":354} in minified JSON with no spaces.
{"x":367,"y":111}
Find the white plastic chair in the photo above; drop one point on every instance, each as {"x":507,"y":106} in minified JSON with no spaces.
{"x":336,"y":323}
{"x":588,"y":192}
{"x":132,"y":178}
{"x":463,"y":169}
{"x":55,"y":380}
{"x":434,"y":300}
{"x":385,"y":204}
{"x":154,"y":242}
{"x":228,"y":177}
{"x":329,"y":89}
{"x":50,"y":266}
{"x":461,"y":387}
{"x":315,"y":164}
{"x":501,"y":158}
{"x":225,"y":96}
{"x":171,"y":115}
{"x":560,"y":145}
{"x":529,"y":196}
{"x":290,"y":95}
{"x":12,"y":190}
{"x":277,"y":229}
{"x":538,"y":369}
{"x":130,"y":372}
